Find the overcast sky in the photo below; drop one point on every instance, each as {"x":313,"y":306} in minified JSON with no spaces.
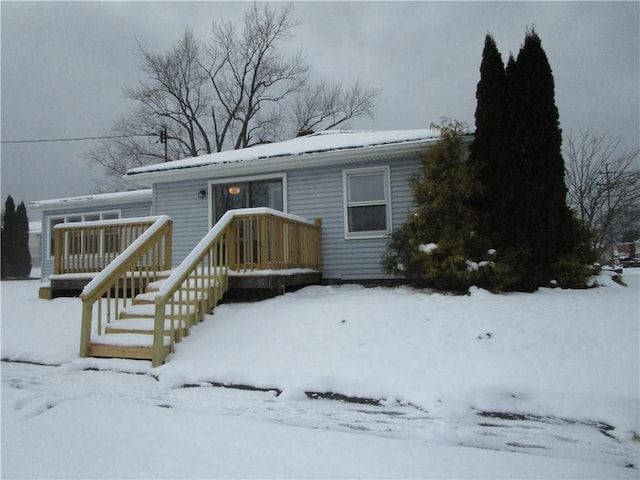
{"x":64,"y":65}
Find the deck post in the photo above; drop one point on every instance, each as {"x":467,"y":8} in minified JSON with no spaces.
{"x":317,"y":237}
{"x":85,"y":329}
{"x":168,"y":246}
{"x":263,"y":242}
{"x":57,"y":251}
{"x":232,"y":244}
{"x":157,"y":356}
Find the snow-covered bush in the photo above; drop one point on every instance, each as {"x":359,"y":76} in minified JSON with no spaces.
{"x":433,"y":246}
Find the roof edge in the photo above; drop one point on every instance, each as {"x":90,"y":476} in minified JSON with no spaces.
{"x":296,"y":161}
{"x":131,"y":196}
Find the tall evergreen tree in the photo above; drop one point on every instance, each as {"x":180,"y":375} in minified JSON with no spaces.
{"x":22,"y":254}
{"x":487,"y":154}
{"x":517,"y":156}
{"x":546,"y":230}
{"x":8,"y":237}
{"x":16,"y":259}
{"x":511,"y":225}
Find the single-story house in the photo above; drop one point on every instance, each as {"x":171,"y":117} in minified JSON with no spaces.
{"x":355,"y":182}
{"x":35,"y":234}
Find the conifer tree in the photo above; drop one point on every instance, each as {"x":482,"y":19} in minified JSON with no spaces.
{"x":432,"y":247}
{"x":545,"y":230}
{"x":22,"y":254}
{"x":510,"y":229}
{"x":8,"y":237}
{"x":487,"y":152}
{"x":16,"y":259}
{"x":517,"y":157}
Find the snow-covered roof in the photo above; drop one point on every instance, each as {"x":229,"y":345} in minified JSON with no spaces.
{"x":95,"y":199}
{"x":299,"y":150}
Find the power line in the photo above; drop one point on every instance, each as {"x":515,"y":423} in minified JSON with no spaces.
{"x":77,"y":139}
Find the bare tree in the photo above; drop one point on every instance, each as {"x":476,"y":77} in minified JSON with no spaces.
{"x":232,"y":91}
{"x":251,"y":79}
{"x":603,"y":182}
{"x":175,"y":93}
{"x":327,"y":105}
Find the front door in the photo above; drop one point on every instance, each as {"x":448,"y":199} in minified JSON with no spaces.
{"x":261,"y":193}
{"x":247,"y":194}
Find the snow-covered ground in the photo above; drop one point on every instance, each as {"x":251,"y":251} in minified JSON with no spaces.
{"x":542,"y":385}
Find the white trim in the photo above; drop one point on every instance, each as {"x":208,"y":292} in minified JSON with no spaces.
{"x":386,"y":171}
{"x":68,"y":215}
{"x":245,"y":179}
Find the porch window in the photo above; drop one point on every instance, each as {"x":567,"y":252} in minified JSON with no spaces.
{"x":247,"y":194}
{"x":86,"y":243}
{"x":367,"y":202}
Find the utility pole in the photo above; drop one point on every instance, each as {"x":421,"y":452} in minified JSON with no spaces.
{"x":163,"y":139}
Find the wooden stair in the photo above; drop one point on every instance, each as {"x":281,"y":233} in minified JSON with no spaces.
{"x":254,"y":241}
{"x":130,"y":345}
{"x":131,"y":335}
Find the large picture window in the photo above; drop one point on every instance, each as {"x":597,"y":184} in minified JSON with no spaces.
{"x":367,"y":202}
{"x":89,"y":243}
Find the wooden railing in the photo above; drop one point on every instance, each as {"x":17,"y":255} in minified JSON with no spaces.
{"x":244,"y":239}
{"x":137,"y":265}
{"x":87,"y":247}
{"x":263,"y":239}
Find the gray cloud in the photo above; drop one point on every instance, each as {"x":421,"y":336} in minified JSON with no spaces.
{"x":64,"y":65}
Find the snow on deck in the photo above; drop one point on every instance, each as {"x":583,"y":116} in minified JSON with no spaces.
{"x":259,"y":273}
{"x":128,"y":340}
{"x":147,"y":324}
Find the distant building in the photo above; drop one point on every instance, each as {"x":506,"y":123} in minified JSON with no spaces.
{"x":35,"y":239}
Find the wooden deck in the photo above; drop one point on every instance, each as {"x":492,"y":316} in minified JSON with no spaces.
{"x":134,"y":305}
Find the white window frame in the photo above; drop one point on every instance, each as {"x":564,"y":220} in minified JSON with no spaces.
{"x":66,"y":216}
{"x":254,"y":178}
{"x":346,"y":174}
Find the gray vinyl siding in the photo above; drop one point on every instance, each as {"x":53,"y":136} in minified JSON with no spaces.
{"x":318,"y":193}
{"x":189,"y":213}
{"x":312,"y":193}
{"x":129,"y":210}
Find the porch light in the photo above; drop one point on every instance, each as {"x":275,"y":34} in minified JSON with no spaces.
{"x":202,"y":193}
{"x":233,"y":190}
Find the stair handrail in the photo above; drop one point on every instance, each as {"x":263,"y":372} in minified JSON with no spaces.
{"x":126,"y":261}
{"x":218,"y":264}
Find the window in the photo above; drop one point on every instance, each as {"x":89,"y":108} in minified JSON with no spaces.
{"x":86,"y":243}
{"x":248,"y":194}
{"x":367,"y":202}
{"x":52,"y":223}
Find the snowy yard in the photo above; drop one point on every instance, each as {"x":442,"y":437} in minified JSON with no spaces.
{"x":542,"y":385}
